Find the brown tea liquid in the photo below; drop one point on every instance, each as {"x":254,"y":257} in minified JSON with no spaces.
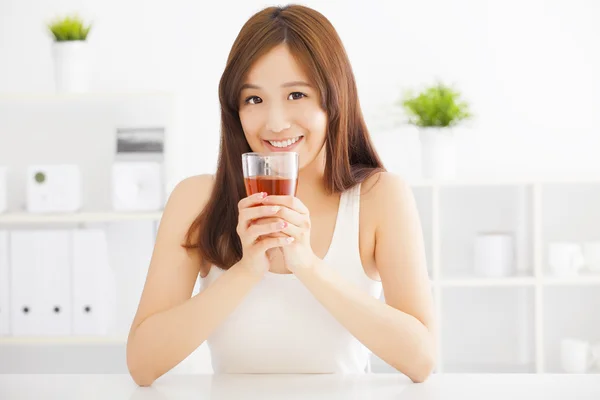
{"x":272,"y":185}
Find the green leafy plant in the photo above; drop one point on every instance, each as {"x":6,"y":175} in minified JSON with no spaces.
{"x":69,"y":28}
{"x":438,"y":105}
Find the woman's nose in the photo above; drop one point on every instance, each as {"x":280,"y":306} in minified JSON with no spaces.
{"x":277,"y":120}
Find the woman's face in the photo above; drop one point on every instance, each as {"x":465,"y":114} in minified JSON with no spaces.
{"x":280,"y":109}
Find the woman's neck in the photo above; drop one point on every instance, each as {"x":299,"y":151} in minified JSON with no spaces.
{"x":310,"y":178}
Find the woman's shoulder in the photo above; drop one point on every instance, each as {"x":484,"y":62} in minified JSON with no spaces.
{"x":196,"y":185}
{"x":194,"y":189}
{"x":189,"y":197}
{"x":383,"y":183}
{"x":383,"y":192}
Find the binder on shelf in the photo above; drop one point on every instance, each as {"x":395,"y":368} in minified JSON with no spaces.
{"x":131,"y":244}
{"x":25,"y":317}
{"x":94,"y":293}
{"x":4,"y":285}
{"x":40,"y":284}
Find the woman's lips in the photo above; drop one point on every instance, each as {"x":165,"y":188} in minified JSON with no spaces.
{"x":288,"y":148}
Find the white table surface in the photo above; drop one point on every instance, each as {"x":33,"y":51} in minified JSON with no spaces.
{"x":310,"y":387}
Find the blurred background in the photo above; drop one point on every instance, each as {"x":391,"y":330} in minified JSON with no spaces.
{"x":95,"y":133}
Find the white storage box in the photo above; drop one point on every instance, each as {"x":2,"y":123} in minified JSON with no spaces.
{"x":53,"y":188}
{"x":137,"y":186}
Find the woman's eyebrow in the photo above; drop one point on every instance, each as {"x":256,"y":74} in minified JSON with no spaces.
{"x":287,"y":84}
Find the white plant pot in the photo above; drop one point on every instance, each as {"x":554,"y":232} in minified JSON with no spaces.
{"x":438,"y":153}
{"x":71,"y":66}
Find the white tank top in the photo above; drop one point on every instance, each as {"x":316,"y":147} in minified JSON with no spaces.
{"x":280,"y":327}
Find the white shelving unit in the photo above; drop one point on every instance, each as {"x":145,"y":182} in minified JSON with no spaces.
{"x":24,"y":220}
{"x":82,"y":129}
{"x":511,"y":324}
{"x":130,"y":237}
{"x":506,"y":324}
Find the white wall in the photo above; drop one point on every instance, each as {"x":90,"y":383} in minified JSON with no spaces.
{"x":526,"y":66}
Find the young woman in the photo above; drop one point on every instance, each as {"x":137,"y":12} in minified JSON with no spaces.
{"x":289,"y":284}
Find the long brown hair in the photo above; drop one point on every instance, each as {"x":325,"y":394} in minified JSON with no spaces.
{"x":350,"y":155}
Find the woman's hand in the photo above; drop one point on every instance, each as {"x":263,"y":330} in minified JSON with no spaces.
{"x":299,"y":253}
{"x":254,"y":245}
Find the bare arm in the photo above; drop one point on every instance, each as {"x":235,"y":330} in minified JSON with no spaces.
{"x":400,"y":331}
{"x":170,"y":324}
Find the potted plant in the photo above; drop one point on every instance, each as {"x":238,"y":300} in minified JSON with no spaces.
{"x":435,"y":111}
{"x":69,"y":53}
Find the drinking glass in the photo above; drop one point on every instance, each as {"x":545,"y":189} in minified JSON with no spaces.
{"x":274,"y":173}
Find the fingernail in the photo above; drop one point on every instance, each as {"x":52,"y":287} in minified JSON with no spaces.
{"x":282,"y":225}
{"x":261,"y":195}
{"x":290,"y":239}
{"x":275,"y":209}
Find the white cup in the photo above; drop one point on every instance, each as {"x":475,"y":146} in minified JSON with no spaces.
{"x":576,"y":356}
{"x":494,"y":254}
{"x":565,"y":258}
{"x":591,"y":253}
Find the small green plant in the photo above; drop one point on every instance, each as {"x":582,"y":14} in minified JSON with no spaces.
{"x":438,"y":105}
{"x":69,"y":28}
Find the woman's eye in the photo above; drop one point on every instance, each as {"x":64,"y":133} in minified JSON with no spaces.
{"x":296,"y":96}
{"x":253,"y":100}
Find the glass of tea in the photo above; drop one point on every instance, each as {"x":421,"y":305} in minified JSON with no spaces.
{"x":274,"y":173}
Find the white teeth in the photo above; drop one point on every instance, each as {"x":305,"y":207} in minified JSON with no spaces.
{"x":284,"y":143}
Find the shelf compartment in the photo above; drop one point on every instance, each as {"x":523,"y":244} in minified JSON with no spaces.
{"x":569,"y":215}
{"x":129,"y":246}
{"x":468,"y":210}
{"x":487,"y":327}
{"x":569,"y":312}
